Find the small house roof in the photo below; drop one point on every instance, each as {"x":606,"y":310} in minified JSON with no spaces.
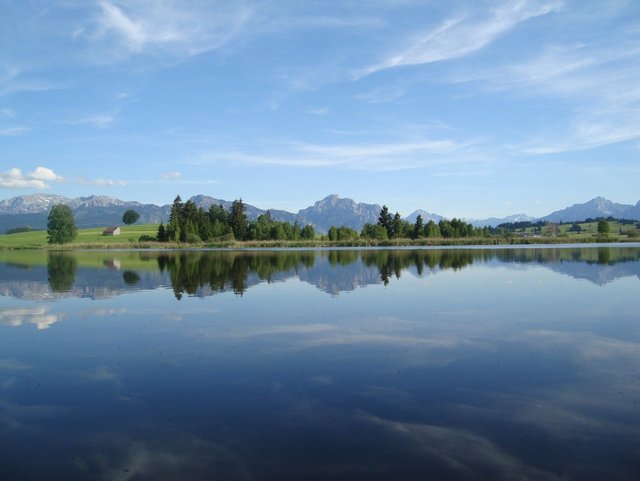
{"x":109,"y":230}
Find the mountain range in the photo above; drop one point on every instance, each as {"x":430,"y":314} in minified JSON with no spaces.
{"x":99,"y":211}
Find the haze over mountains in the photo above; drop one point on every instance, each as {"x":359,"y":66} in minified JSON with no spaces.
{"x":98,"y":211}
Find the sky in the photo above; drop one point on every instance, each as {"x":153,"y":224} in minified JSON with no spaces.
{"x":461,"y":108}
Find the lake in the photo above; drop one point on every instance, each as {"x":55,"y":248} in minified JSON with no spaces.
{"x":413,"y":364}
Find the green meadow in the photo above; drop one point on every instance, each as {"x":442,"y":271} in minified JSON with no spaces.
{"x":130,"y":235}
{"x":86,"y":238}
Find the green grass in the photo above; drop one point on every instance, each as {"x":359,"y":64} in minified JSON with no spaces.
{"x":86,"y":237}
{"x":93,"y":238}
{"x":589,"y":233}
{"x":130,"y":235}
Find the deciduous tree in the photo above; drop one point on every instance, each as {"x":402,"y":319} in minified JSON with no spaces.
{"x":603,"y":227}
{"x":61,"y":228}
{"x":130,"y":217}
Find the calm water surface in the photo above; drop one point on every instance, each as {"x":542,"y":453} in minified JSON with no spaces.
{"x":508,"y":364}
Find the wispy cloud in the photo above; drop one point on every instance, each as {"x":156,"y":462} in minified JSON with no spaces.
{"x":319,"y":111}
{"x":100,"y":121}
{"x":123,"y":29}
{"x":172,"y":175}
{"x":381,"y":95}
{"x":15,"y":80}
{"x":592,"y":83}
{"x":388,"y":156}
{"x":38,"y":179}
{"x":605,"y":97}
{"x":13,"y":131}
{"x":101,"y":182}
{"x":462,"y":35}
{"x":174,"y":181}
{"x":459,"y":452}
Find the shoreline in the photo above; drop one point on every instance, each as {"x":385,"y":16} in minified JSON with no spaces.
{"x":317,"y":244}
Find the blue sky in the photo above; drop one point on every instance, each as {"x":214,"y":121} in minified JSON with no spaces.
{"x":462,"y":108}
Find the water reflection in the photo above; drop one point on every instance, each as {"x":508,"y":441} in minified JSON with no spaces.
{"x":437,"y":364}
{"x":61,"y":271}
{"x":198,"y":273}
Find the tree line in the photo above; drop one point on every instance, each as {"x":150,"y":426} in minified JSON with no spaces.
{"x":192,"y":224}
{"x":395,"y":227}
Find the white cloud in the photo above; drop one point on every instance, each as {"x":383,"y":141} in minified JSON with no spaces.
{"x":164,"y":27}
{"x":381,"y":95}
{"x":172,"y":175}
{"x":102,"y":182}
{"x":41,"y":177}
{"x":15,"y":179}
{"x":594,"y":85}
{"x":42,"y":173}
{"x":133,"y":33}
{"x":175,"y":180}
{"x":100,"y":121}
{"x":319,"y":111}
{"x":12,"y":80}
{"x":38,"y":316}
{"x":458,"y":451}
{"x":13,"y":131}
{"x":460,"y":36}
{"x":381,"y":157}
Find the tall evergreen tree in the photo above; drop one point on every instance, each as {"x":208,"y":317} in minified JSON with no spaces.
{"x":396,"y":226}
{"x":162,"y":233}
{"x":384,"y":219}
{"x":418,"y":227}
{"x":174,"y":227}
{"x":238,"y":220}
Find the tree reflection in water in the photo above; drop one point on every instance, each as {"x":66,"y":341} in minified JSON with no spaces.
{"x":61,"y":271}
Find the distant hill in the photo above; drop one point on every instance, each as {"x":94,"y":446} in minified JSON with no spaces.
{"x":335,"y":211}
{"x":490,"y":222}
{"x":98,"y":211}
{"x":598,"y":207}
{"x":496,"y":221}
{"x":634,"y":212}
{"x":426,"y":216}
{"x":92,"y":211}
{"x":252,"y":212}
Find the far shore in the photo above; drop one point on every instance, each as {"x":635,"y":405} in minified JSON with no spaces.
{"x":315,"y":244}
{"x":132,"y":237}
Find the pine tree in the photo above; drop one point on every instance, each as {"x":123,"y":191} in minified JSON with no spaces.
{"x":384,"y":219}
{"x":418,"y":227}
{"x":238,"y":220}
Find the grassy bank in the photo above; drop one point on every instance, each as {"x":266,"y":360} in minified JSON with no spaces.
{"x":128,"y":239}
{"x":91,"y":238}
